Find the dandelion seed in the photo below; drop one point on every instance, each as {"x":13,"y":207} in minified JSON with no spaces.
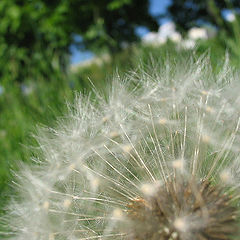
{"x":113,"y":134}
{"x":95,"y":183}
{"x":46,"y":205}
{"x":209,"y":109}
{"x":117,"y":213}
{"x":105,"y":119}
{"x":162,"y":121}
{"x":67,"y":203}
{"x":71,"y":166}
{"x":178,"y":164}
{"x":225,"y":176}
{"x":180,"y":224}
{"x":206,"y":138}
{"x":51,"y":236}
{"x":148,"y":189}
{"x":204,"y":93}
{"x":127,"y":148}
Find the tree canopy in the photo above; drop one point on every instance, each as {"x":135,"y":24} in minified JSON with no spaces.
{"x":109,"y":24}
{"x":35,"y":35}
{"x":189,"y":13}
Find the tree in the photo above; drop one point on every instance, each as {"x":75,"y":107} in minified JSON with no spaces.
{"x":35,"y":35}
{"x":109,"y":24}
{"x":34,"y":40}
{"x":189,"y":13}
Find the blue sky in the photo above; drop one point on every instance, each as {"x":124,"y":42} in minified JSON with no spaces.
{"x":156,"y":7}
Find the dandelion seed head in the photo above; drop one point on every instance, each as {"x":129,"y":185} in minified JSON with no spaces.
{"x":158,"y":158}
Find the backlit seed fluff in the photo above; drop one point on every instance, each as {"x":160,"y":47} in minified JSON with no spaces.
{"x":157,"y":159}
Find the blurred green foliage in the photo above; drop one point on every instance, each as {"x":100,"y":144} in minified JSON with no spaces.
{"x":35,"y":36}
{"x":34,"y":40}
{"x":109,"y":25}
